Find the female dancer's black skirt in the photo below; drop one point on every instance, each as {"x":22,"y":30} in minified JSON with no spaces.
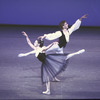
{"x":52,"y":66}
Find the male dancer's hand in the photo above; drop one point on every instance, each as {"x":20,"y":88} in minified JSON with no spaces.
{"x":84,"y":16}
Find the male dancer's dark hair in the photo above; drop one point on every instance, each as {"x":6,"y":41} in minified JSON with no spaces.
{"x":61,"y":24}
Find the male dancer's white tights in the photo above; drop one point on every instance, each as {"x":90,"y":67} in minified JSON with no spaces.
{"x":56,"y":48}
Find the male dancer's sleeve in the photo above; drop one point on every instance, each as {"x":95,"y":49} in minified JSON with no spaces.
{"x":52,"y":36}
{"x":74,"y":27}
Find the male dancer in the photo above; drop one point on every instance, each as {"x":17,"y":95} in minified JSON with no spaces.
{"x":63,"y":35}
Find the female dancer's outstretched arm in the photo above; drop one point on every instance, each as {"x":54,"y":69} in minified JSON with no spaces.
{"x":47,"y":47}
{"x":26,"y":54}
{"x":28,"y":40}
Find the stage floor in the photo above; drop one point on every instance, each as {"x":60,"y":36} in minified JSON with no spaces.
{"x":20,"y":78}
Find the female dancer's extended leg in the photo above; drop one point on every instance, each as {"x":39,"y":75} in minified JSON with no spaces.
{"x":69,"y":56}
{"x":75,"y":53}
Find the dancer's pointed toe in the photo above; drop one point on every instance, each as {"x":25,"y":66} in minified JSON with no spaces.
{"x":81,"y":51}
{"x":46,"y":92}
{"x":56,"y":80}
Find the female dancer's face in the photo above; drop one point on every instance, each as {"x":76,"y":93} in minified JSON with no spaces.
{"x":36,"y":43}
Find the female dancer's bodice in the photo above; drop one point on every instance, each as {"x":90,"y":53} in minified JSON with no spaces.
{"x":41,"y":57}
{"x":40,"y":54}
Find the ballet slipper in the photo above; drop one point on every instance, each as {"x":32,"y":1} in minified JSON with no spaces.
{"x":75,"y":53}
{"x":56,"y":80}
{"x":81,"y":51}
{"x":46,"y":92}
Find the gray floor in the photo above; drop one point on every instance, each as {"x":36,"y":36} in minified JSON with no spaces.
{"x":20,"y":77}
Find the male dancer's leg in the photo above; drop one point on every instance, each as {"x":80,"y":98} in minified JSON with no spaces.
{"x":55,"y":48}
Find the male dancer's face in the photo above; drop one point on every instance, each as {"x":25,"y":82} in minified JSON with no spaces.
{"x":65,"y":25}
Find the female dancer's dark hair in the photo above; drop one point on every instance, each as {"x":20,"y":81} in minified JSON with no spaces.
{"x":41,"y":42}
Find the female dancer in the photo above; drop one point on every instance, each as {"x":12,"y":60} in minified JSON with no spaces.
{"x":52,"y":64}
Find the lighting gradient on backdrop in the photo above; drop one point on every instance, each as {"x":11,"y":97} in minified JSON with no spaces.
{"x":49,"y":12}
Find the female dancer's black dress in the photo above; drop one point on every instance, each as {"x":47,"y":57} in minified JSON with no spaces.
{"x":52,"y":65}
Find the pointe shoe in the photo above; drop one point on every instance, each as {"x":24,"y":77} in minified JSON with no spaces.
{"x":81,"y":51}
{"x":76,"y":53}
{"x":56,"y":80}
{"x":46,"y":92}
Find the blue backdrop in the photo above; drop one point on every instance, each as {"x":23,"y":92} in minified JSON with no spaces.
{"x":49,"y":12}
